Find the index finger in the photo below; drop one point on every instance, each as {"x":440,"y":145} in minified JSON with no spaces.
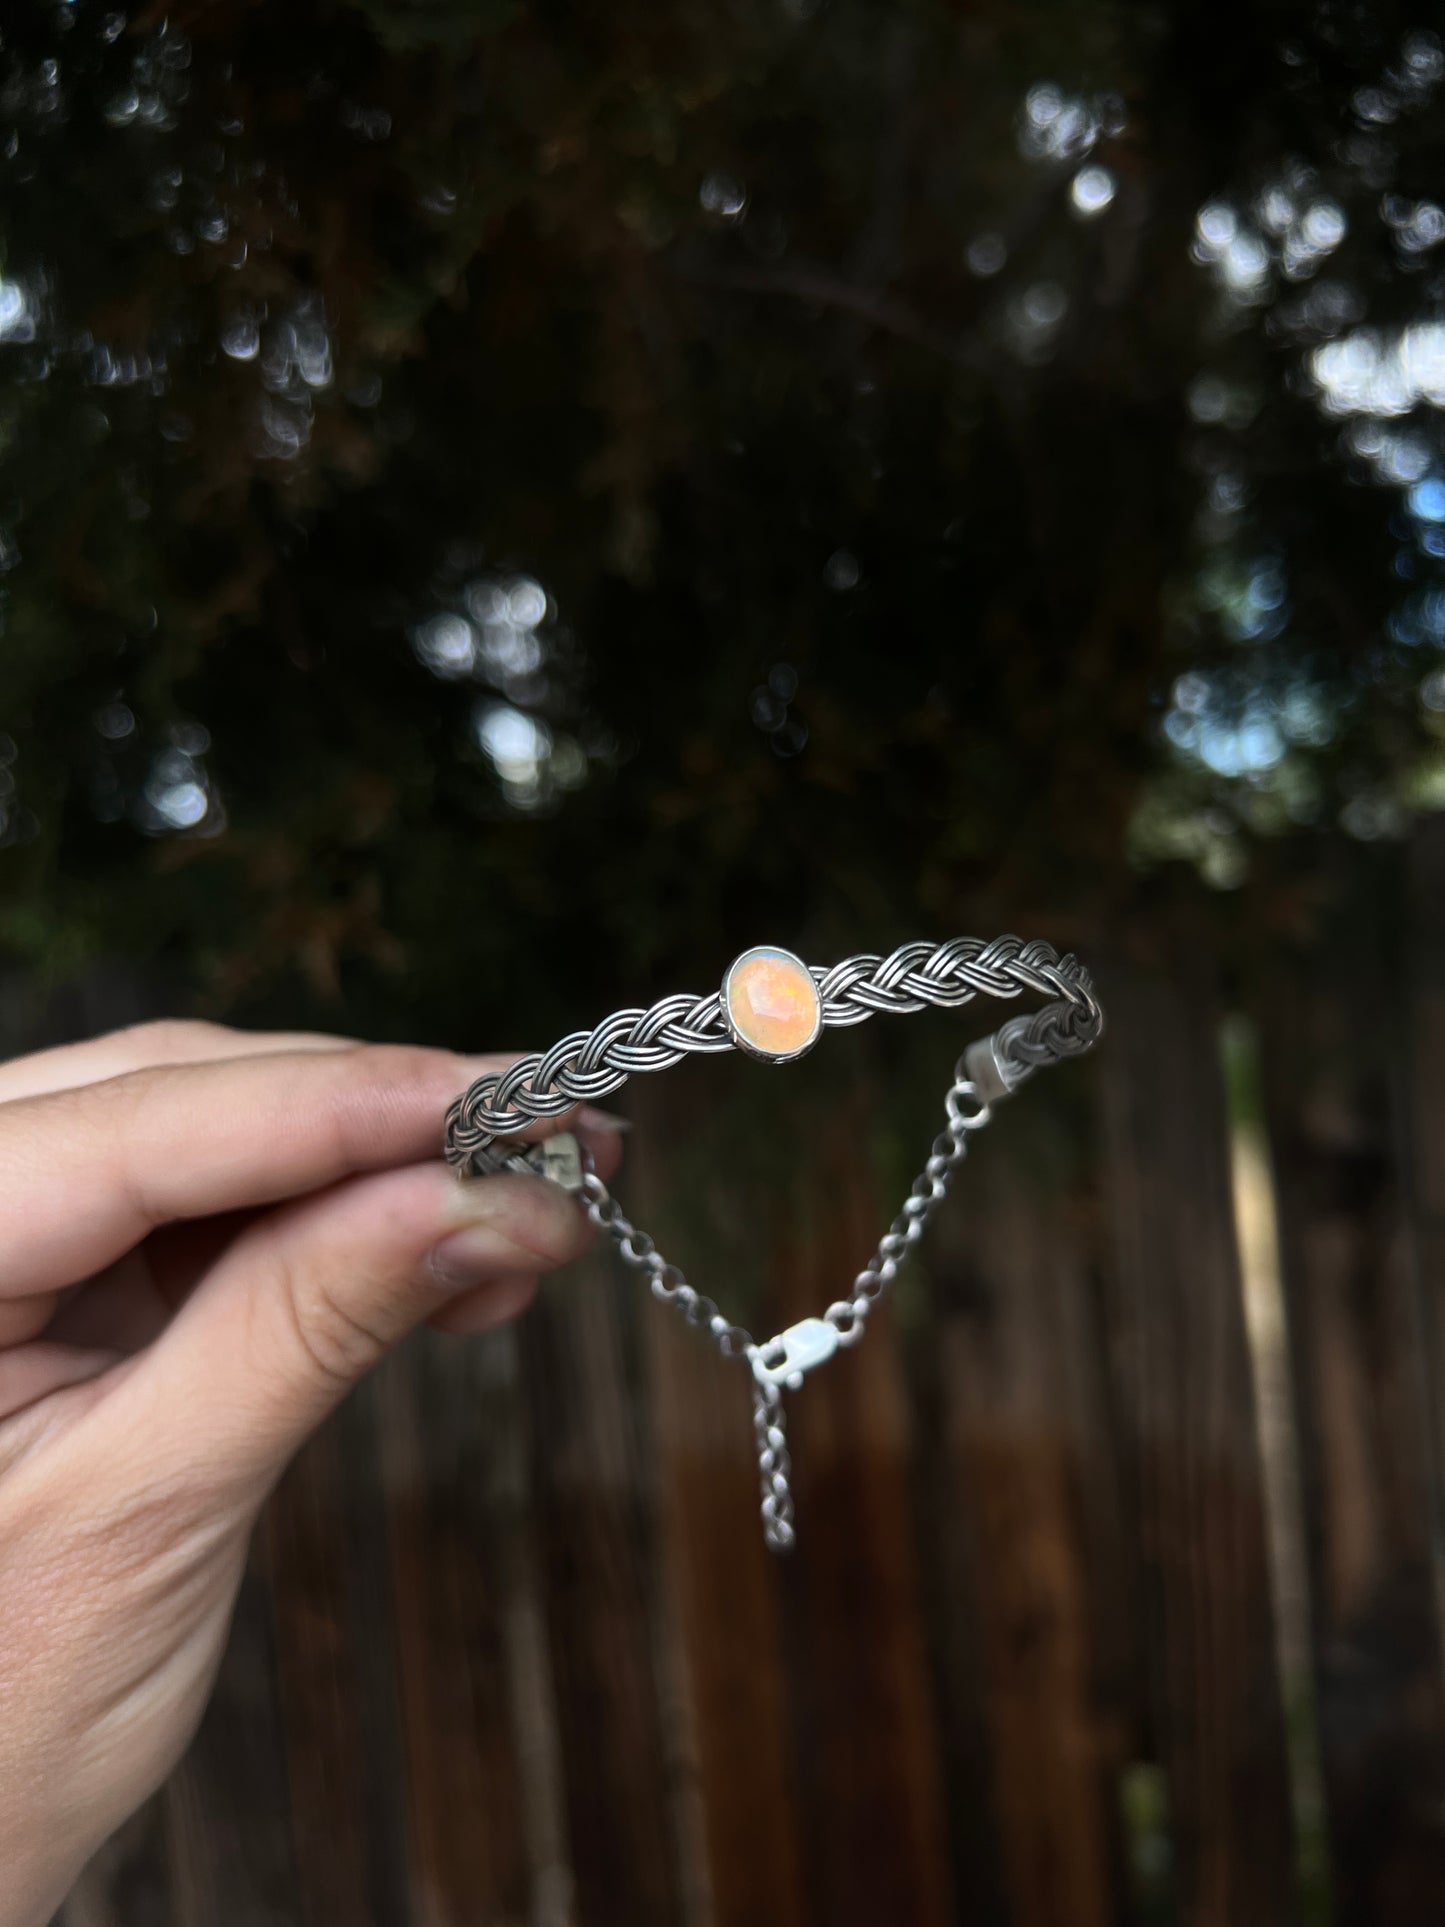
{"x":91,"y":1170}
{"x":166,"y":1040}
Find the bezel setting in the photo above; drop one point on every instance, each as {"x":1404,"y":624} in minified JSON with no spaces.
{"x":774,"y":953}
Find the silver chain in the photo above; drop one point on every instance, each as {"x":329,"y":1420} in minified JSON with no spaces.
{"x":771,"y":1361}
{"x":484,"y":1122}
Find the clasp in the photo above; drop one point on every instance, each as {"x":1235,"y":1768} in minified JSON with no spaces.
{"x":784,"y":1359}
{"x":993,"y":1076}
{"x":558,"y":1158}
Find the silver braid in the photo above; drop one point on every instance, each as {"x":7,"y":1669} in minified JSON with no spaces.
{"x":590,"y":1064}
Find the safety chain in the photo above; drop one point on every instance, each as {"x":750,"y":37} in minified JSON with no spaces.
{"x":482,"y":1123}
{"x":781,"y":1361}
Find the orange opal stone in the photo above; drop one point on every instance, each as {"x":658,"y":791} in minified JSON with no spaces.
{"x":772,"y":1003}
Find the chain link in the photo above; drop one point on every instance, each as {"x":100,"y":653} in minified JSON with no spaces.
{"x":665,"y":1280}
{"x":846,"y":1317}
{"x":928,"y":1191}
{"x":775,"y":1468}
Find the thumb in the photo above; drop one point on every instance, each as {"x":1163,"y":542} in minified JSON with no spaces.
{"x":312,"y":1295}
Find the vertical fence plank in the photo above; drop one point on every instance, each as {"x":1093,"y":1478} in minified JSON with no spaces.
{"x":1424,"y":1114}
{"x":446,"y":1412}
{"x":814,"y":1697}
{"x":867,"y":1732}
{"x":228,"y":1805}
{"x":1183,"y":1388}
{"x":734,"y":1741}
{"x":1363,"y":1430}
{"x":1028,"y":1508}
{"x":721,"y":1599}
{"x":325,"y":1543}
{"x":595,"y":1501}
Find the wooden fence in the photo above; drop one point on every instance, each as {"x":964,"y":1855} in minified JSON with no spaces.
{"x":1119,"y":1589}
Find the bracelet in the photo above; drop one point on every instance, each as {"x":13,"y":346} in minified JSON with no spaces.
{"x":775,"y":1007}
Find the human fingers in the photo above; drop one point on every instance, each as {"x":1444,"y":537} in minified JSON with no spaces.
{"x":92,"y":1170}
{"x":131,"y":1303}
{"x":167,"y":1040}
{"x":502,"y":1298}
{"x":310,"y":1296}
{"x":134,"y":1300}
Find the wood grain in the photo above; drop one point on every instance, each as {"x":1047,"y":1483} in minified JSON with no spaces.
{"x":1181,"y":1381}
{"x":741,"y":1802}
{"x":451,"y":1442}
{"x":1363,"y":1432}
{"x":595,"y":1496}
{"x":1032,"y":1493}
{"x":866,"y":1730}
{"x":325,"y":1538}
{"x":228,"y":1806}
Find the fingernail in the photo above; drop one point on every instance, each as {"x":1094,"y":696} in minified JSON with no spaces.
{"x":512,"y":1222}
{"x":484,"y":1200}
{"x":469,"y":1200}
{"x":594,"y":1120}
{"x":469,"y":1258}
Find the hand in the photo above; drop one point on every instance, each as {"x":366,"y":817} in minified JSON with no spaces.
{"x":206,"y":1238}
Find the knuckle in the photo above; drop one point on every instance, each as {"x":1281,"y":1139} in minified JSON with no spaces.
{"x":376,"y":1085}
{"x":124,"y":1102}
{"x":118,"y":1115}
{"x":335,"y":1341}
{"x":167,"y":1040}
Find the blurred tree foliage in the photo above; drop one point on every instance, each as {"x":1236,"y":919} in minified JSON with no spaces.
{"x":498,"y":494}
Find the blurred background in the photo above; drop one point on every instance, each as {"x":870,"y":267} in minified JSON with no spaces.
{"x":503,"y":506}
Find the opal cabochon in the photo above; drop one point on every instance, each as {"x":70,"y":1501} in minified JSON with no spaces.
{"x":771,"y":1003}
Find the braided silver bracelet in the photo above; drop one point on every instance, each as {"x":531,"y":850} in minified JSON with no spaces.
{"x":775,"y":1007}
